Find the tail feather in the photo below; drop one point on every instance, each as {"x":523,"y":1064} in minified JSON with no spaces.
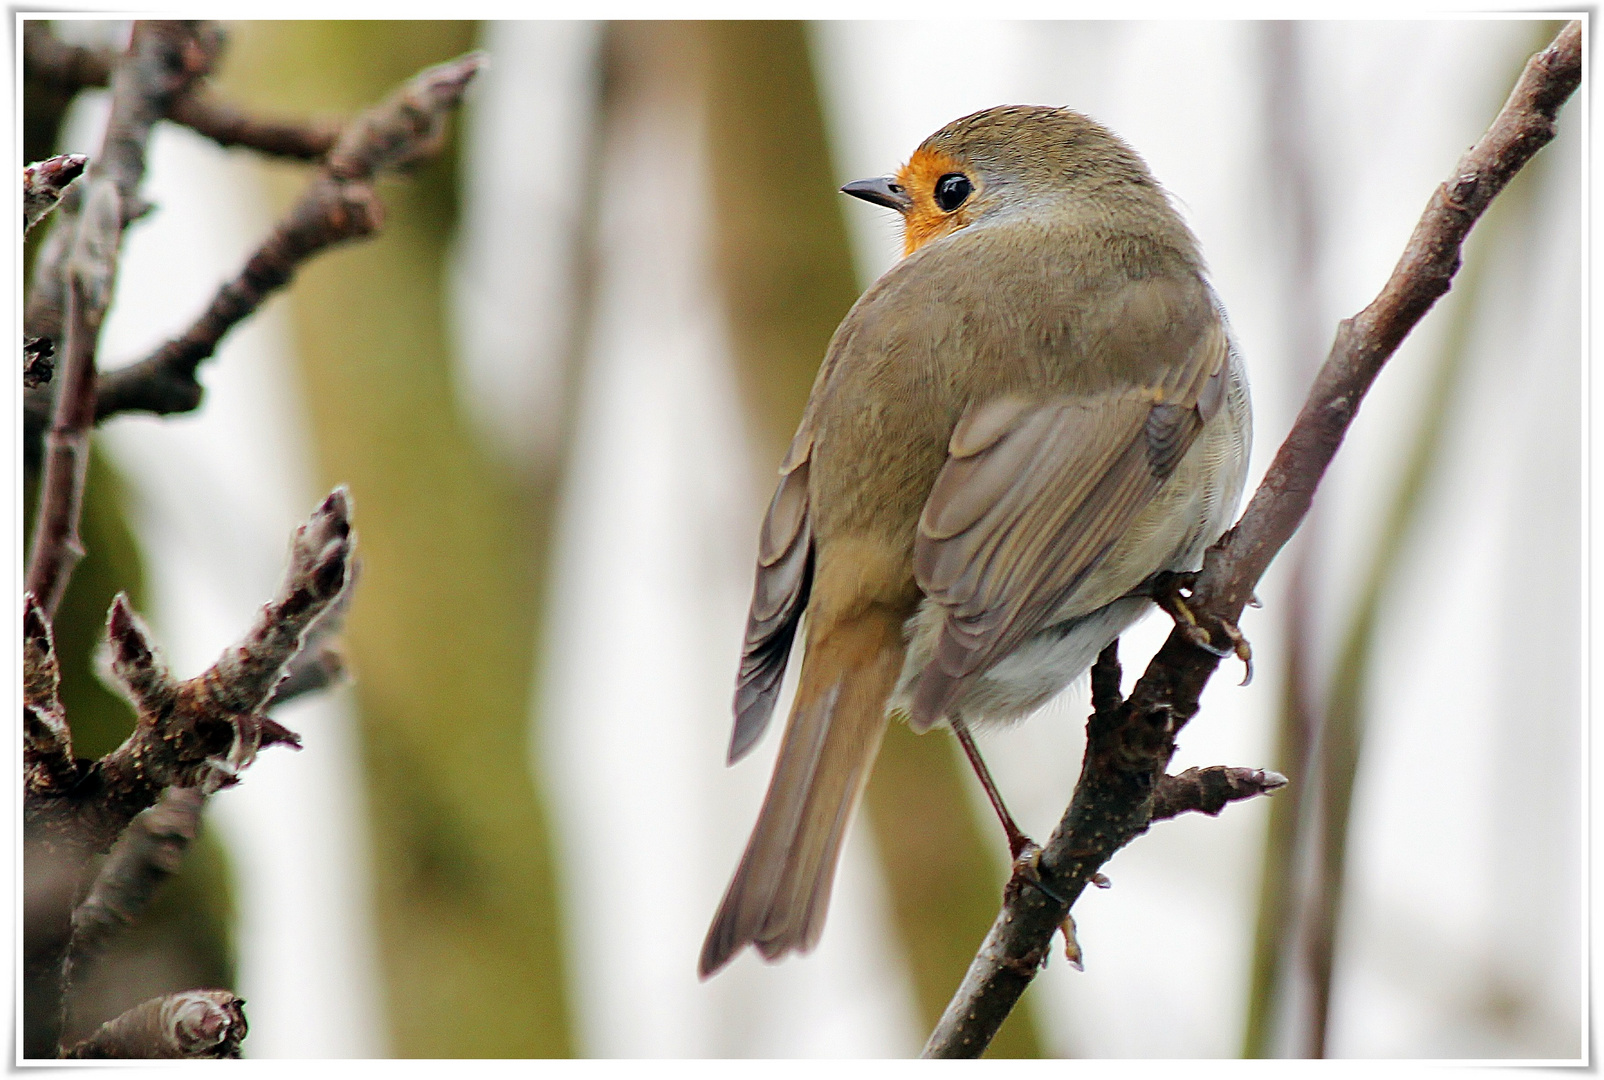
{"x":781,"y":890}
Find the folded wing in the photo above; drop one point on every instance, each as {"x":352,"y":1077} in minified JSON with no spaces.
{"x":1033,"y":497}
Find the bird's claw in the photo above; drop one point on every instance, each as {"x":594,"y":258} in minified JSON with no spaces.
{"x":1027,"y":868}
{"x":1167,"y":593}
{"x":1072,"y":951}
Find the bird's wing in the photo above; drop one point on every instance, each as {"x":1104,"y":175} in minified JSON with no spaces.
{"x":784,"y":577}
{"x":1033,"y":496}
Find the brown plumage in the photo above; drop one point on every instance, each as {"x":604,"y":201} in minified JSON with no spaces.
{"x":1013,"y":430}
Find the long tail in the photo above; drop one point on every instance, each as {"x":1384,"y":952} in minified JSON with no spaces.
{"x":781,"y":890}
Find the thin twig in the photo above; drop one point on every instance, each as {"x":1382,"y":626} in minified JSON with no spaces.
{"x":91,"y":270}
{"x":70,"y":68}
{"x":190,"y":1024}
{"x":338,"y":205}
{"x":197,"y":734}
{"x":227,"y":125}
{"x":1207,"y":791}
{"x":163,"y":58}
{"x":1127,"y":750}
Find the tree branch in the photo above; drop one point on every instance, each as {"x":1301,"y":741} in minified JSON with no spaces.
{"x":338,"y":205}
{"x":226,"y":125}
{"x":163,"y":58}
{"x":70,"y":68}
{"x":190,"y":1024}
{"x":148,"y":853}
{"x":1208,"y":790}
{"x":202,"y":732}
{"x":91,"y":270}
{"x":1128,"y":746}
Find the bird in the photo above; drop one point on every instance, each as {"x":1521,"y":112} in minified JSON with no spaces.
{"x":1036,"y":413}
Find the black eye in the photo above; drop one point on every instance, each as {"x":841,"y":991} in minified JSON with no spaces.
{"x":952,"y":190}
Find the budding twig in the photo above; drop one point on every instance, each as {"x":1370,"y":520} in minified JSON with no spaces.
{"x":43,"y":183}
{"x":203,"y":731}
{"x":1207,"y":791}
{"x":190,"y":1024}
{"x":47,"y":765}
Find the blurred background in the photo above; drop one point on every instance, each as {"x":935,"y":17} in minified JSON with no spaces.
{"x":558,"y":385}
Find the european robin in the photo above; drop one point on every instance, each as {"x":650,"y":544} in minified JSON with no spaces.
{"x":1028,"y":418}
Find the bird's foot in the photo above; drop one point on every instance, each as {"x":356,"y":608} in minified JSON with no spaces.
{"x":1170,"y":591}
{"x":1027,"y":869}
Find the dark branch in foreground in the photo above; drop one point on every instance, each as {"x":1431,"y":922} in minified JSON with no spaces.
{"x":338,"y":205}
{"x":1129,"y":744}
{"x":226,"y":125}
{"x":190,"y":1024}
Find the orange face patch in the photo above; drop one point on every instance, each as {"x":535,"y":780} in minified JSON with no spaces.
{"x":926,"y":221}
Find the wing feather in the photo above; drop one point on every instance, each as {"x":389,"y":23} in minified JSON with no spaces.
{"x":1032,"y":498}
{"x":779,"y":595}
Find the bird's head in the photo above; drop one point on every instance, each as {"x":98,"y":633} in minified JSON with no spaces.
{"x":1004,"y":160}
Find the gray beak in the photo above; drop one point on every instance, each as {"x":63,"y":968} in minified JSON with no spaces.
{"x":882,"y":191}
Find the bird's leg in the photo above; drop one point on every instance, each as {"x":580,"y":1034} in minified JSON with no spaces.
{"x":1166,"y":591}
{"x":1018,"y":842}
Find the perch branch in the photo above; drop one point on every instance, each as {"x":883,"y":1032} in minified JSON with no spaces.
{"x":1128,"y":746}
{"x":189,"y":1024}
{"x":339,"y":204}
